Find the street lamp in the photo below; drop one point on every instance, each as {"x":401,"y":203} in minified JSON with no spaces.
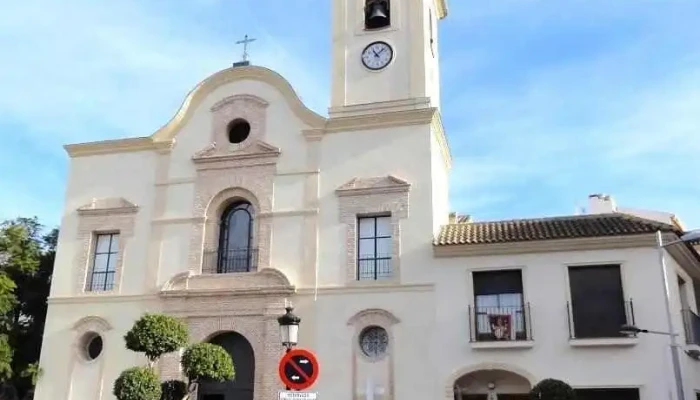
{"x":289,"y":328}
{"x":689,"y":236}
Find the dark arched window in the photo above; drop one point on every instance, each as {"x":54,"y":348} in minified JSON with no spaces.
{"x":236,"y":252}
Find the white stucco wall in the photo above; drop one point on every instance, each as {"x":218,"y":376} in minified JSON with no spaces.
{"x":545,"y":287}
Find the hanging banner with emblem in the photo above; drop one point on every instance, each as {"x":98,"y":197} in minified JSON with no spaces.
{"x":298,"y":369}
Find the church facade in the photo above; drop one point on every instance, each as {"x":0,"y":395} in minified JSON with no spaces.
{"x":246,"y":199}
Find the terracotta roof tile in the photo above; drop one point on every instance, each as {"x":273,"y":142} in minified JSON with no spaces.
{"x":569,"y":227}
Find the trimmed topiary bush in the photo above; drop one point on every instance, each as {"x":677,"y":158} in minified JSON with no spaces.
{"x":155,"y":335}
{"x":552,"y":389}
{"x":137,"y":383}
{"x":207,"y":361}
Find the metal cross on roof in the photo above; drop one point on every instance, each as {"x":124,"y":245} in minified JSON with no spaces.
{"x":245,"y":42}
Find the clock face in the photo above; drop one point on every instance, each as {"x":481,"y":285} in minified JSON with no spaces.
{"x":377,"y":55}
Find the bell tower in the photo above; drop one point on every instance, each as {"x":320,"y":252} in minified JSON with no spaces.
{"x":385,"y":55}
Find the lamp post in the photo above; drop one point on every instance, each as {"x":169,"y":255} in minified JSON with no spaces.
{"x":289,"y":329}
{"x":673,"y":336}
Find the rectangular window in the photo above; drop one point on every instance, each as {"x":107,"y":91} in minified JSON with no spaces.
{"x":104,"y":262}
{"x":499,"y":311}
{"x":374,"y":248}
{"x":598,"y":308}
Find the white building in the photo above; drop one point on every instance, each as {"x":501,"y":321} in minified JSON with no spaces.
{"x":247,"y":198}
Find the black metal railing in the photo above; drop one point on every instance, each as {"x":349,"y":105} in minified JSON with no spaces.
{"x":691,"y":323}
{"x":598,"y":322}
{"x":230,"y":261}
{"x":507,"y":323}
{"x":374,"y":268}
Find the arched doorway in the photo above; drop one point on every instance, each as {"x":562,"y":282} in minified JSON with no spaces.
{"x":241,"y":387}
{"x":505,"y":384}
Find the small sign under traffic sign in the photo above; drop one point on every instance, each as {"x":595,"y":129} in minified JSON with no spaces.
{"x":297,"y":396}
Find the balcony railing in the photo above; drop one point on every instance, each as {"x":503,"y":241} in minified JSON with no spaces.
{"x":374,"y":268}
{"x":691,"y":323}
{"x":599,"y":322}
{"x":508,"y":323}
{"x":230,"y":261}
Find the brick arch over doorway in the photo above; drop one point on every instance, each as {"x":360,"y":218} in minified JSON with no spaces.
{"x":242,"y":387}
{"x":513,"y":379}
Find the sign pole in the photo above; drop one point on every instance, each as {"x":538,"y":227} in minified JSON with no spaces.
{"x":286,"y":387}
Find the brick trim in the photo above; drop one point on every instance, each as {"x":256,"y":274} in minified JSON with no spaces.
{"x":372,"y":196}
{"x":252,"y":316}
{"x":95,"y":221}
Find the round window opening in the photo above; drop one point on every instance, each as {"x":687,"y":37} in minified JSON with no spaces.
{"x":92,"y":346}
{"x":374,"y":341}
{"x":238,"y":131}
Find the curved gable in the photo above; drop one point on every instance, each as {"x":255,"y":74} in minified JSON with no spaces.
{"x":164,"y":137}
{"x":254,"y":73}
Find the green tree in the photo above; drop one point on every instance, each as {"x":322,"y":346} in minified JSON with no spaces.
{"x":206,"y":361}
{"x":552,"y":389}
{"x":155,"y":335}
{"x":137,"y":383}
{"x":26,"y":264}
{"x":158,"y":334}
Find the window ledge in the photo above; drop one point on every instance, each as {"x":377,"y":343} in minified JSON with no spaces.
{"x":373,"y":282}
{"x":604,"y":342}
{"x":504,"y":344}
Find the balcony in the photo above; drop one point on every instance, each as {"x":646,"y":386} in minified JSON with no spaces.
{"x":500,"y":327}
{"x":599,"y":325}
{"x":230,"y":261}
{"x":374,"y":268}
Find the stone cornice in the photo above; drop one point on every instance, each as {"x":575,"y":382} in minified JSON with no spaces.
{"x":375,"y":185}
{"x":114,"y":146}
{"x":108,"y":206}
{"x":88,"y":298}
{"x":441,"y":6}
{"x":545,"y":246}
{"x":381,"y":120}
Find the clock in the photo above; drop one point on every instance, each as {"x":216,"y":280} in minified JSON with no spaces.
{"x":377,"y":55}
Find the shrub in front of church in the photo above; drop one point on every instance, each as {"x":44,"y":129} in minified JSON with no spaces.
{"x":206,"y":361}
{"x":155,"y":335}
{"x":137,"y":383}
{"x":552,"y":389}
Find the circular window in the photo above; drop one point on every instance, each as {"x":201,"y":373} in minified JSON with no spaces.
{"x":374,"y":341}
{"x":238,"y":131}
{"x":92,"y":346}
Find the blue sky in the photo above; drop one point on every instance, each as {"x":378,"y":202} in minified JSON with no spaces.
{"x":544,"y":101}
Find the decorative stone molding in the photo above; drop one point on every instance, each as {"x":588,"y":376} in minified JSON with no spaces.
{"x":372,"y":196}
{"x":91,"y":323}
{"x":267,"y":280}
{"x":250,"y":108}
{"x":85,"y":329}
{"x":362,"y":366}
{"x":108,"y":215}
{"x":108,"y":206}
{"x":256,"y":153}
{"x":373,"y":316}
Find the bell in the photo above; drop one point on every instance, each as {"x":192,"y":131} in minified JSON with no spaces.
{"x":377,"y":15}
